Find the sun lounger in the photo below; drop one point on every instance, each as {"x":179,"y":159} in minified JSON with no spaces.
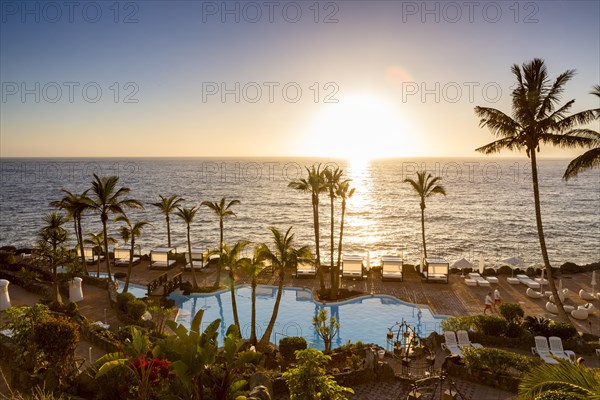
{"x":542,"y":350}
{"x":513,"y":281}
{"x":436,"y":269}
{"x":588,"y":306}
{"x":562,"y":294}
{"x":159,"y":258}
{"x":451,"y":343}
{"x":464,"y":341}
{"x":580,"y":313}
{"x":482,"y":282}
{"x":391,"y":268}
{"x":122,"y":256}
{"x":306,"y":269}
{"x":352,"y":267}
{"x":470,"y":282}
{"x":556,"y":349}
{"x":552,"y":308}
{"x":198,"y":264}
{"x":587,"y":296}
{"x":530,"y":283}
{"x":534,"y":294}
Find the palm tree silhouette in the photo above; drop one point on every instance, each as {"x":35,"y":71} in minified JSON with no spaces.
{"x":167,"y":205}
{"x":106,"y":198}
{"x":232,"y":259}
{"x":97,"y":240}
{"x":283,"y":255}
{"x":591,"y":158}
{"x":315,"y":184}
{"x":425,"y":186}
{"x":188,"y":215}
{"x":128,"y":234}
{"x":253,"y":268}
{"x":332,"y":180}
{"x":51,"y":239}
{"x":535,"y":120}
{"x":221,"y":211}
{"x":344,"y":192}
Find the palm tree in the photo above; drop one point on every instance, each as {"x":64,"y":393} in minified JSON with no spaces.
{"x":315,"y":184}
{"x":106,"y":198}
{"x":75,"y":205}
{"x":284,"y":255}
{"x":128,"y":234}
{"x":332,"y":179}
{"x":97,"y":240}
{"x":222,"y":211}
{"x":344,"y":192}
{"x":231,"y":258}
{"x":188,"y":215}
{"x":51,"y":239}
{"x":425,"y":186}
{"x":568,"y":379}
{"x":535,"y":120}
{"x":253,"y":269}
{"x":591,"y":158}
{"x":167,"y":205}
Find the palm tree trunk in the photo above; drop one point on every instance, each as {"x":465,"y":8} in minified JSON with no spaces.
{"x":423,"y":230}
{"x":339,"y":260}
{"x":190,"y":255}
{"x":130,"y":267}
{"x":98,"y":268}
{"x":55,"y":288}
{"x":236,"y":320}
{"x":80,"y":240}
{"x":332,"y":279}
{"x":267,"y":335}
{"x":317,"y":242}
{"x":538,"y":219}
{"x":169,"y":231}
{"x":219,"y":264}
{"x":253,"y":314}
{"x":105,"y":234}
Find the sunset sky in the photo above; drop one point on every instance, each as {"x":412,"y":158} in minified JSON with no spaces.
{"x":353,"y":79}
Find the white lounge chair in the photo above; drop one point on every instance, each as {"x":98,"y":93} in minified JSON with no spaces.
{"x":451,"y":343}
{"x":436,"y":269}
{"x":556,"y":349}
{"x":492,"y":279}
{"x":551,"y":307}
{"x":470,"y":282}
{"x":580,"y":313}
{"x":562,"y":295}
{"x":391,"y":268}
{"x":159,"y":258}
{"x":464,"y":341}
{"x":542,"y":350}
{"x":589,"y":307}
{"x":513,"y":281}
{"x":122,"y":256}
{"x":352,"y":267}
{"x":587,"y":296}
{"x":306,"y":269}
{"x":534,"y":294}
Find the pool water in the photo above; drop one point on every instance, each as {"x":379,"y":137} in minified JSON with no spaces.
{"x":366,"y":319}
{"x":136,"y":290}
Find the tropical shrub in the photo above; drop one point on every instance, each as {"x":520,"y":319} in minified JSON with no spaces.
{"x":327,"y":330}
{"x":490,"y":325}
{"x":135,"y":309}
{"x":538,"y":326}
{"x":514,"y":330}
{"x":498,"y":361}
{"x":289,"y":345}
{"x":562,"y":330}
{"x":309,"y":381}
{"x":21,"y":321}
{"x":556,"y":395}
{"x":463,"y":323}
{"x":511,"y":311}
{"x":122,"y":300}
{"x":354,"y":362}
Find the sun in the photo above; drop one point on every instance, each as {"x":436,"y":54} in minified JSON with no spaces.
{"x":359,"y":128}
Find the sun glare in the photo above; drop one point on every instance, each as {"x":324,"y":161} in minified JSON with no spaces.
{"x":359,"y":128}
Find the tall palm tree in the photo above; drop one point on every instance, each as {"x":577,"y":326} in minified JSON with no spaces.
{"x":344,"y":192}
{"x":284,"y":255}
{"x":97,"y":240}
{"x":188,"y":215}
{"x":535,"y":120}
{"x":51,"y":239}
{"x":128,"y":234}
{"x":253,"y":269}
{"x":75,"y":205}
{"x":575,"y":380}
{"x":591,"y":158}
{"x":221,"y":211}
{"x":425,"y":186}
{"x":167,"y":205}
{"x":106,"y":198}
{"x":232,"y":259}
{"x":332,"y":179}
{"x":315,"y":184}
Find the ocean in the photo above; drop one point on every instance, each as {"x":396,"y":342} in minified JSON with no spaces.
{"x":488,"y":209}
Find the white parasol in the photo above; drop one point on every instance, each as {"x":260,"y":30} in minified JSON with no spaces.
{"x":593,"y":280}
{"x":368,"y":260}
{"x":481,"y":264}
{"x":514,"y":261}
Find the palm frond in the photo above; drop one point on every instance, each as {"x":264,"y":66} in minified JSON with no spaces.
{"x":588,"y":160}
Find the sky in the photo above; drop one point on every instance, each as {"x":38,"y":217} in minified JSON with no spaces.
{"x":343,"y":79}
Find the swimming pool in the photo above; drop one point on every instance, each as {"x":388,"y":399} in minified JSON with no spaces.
{"x":138,"y":291}
{"x":366,"y":319}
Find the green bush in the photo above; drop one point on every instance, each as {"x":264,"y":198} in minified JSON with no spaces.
{"x":463,"y":323}
{"x":135,"y":309}
{"x":562,"y":330}
{"x":505,"y":270}
{"x":72,"y":308}
{"x":514,"y":330}
{"x":570,"y":268}
{"x":490,"y":325}
{"x":122,"y":300}
{"x":556,"y":395}
{"x":511,"y":311}
{"x":538,"y":326}
{"x":289,"y":345}
{"x":498,"y":361}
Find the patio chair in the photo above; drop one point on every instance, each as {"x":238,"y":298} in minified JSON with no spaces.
{"x":580,"y":313}
{"x":464,"y":341}
{"x":451,"y":343}
{"x":534,"y":294}
{"x":587,"y":296}
{"x":556,"y":349}
{"x":589,"y":307}
{"x":542,"y":350}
